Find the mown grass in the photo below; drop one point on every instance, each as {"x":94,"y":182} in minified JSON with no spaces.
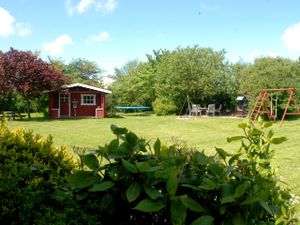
{"x":201,"y":133}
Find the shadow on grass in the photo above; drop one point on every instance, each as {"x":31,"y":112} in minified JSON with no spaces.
{"x":116,"y":116}
{"x":144,"y":114}
{"x":47,"y":119}
{"x":291,"y":117}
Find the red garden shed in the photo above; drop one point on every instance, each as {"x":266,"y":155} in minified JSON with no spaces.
{"x":77,"y":100}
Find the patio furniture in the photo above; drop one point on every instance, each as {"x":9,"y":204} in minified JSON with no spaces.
{"x":218,"y":110}
{"x":195,"y":110}
{"x":211,"y":109}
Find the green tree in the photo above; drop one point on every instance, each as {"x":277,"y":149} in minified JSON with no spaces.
{"x":136,"y":88}
{"x":201,"y":73}
{"x":128,"y":67}
{"x":79,"y":70}
{"x":267,"y":72}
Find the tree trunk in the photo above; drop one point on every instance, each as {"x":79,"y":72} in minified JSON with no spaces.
{"x":28,"y":107}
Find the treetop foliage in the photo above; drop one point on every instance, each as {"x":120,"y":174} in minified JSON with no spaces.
{"x":205,"y":75}
{"x":24,"y":72}
{"x":79,"y":70}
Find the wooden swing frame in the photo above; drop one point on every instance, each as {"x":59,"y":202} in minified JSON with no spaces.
{"x":264,"y":105}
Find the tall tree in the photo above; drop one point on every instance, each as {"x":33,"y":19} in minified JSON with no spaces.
{"x":128,"y":67}
{"x":84,"y":69}
{"x":29,"y":75}
{"x":79,"y":70}
{"x":136,"y":88}
{"x":201,"y":73}
{"x":268,"y":72}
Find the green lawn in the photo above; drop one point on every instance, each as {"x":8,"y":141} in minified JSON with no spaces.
{"x":202,"y":133}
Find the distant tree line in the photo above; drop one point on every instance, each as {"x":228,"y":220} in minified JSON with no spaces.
{"x":165,"y":80}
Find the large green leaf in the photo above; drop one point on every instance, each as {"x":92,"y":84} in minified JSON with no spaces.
{"x":142,"y":166}
{"x":90,"y":161}
{"x":148,"y":205}
{"x":129,"y":166}
{"x":208,"y":184}
{"x":145,"y":167}
{"x":227,"y":193}
{"x":103,"y":186}
{"x":191,"y":204}
{"x":256,"y":131}
{"x":133,"y":191}
{"x":131,"y":138}
{"x":83,"y":179}
{"x":235,"y":138}
{"x":278,"y":140}
{"x":243,"y":125}
{"x":268,"y":124}
{"x":241,"y":189}
{"x":118,"y":131}
{"x":203,"y":220}
{"x":178,"y":212}
{"x":113,"y":149}
{"x":222,"y":153}
{"x":234,"y":158}
{"x":250,"y":200}
{"x":266,"y":207}
{"x":157,"y":147}
{"x":152,"y":192}
{"x":172,"y":182}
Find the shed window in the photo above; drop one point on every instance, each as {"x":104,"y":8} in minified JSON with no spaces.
{"x":88,"y":99}
{"x":64,"y":97}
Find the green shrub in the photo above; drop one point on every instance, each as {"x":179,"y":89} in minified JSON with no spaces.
{"x":128,"y":182}
{"x":32,"y":175}
{"x":163,"y":106}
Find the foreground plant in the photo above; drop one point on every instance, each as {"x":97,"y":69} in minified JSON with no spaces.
{"x":175,"y":185}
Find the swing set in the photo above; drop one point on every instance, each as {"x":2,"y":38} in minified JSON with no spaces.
{"x":265,"y":104}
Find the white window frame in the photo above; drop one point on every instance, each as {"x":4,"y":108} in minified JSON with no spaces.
{"x":90,"y":95}
{"x":64,"y":97}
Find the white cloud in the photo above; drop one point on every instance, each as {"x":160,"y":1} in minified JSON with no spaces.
{"x":291,"y":37}
{"x":6,"y":24}
{"x":9,"y":27}
{"x":107,"y":6}
{"x":70,"y":8}
{"x":56,"y":47}
{"x":98,"y":38}
{"x":23,"y":29}
{"x":82,"y":6}
{"x":208,"y":8}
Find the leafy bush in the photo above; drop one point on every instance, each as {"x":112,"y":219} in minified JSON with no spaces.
{"x":128,"y":182}
{"x":32,"y":174}
{"x":163,"y":106}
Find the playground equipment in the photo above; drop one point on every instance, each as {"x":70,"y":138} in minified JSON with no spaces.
{"x":266,"y":105}
{"x":241,"y":106}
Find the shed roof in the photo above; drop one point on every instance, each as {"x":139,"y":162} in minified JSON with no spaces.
{"x":88,"y":87}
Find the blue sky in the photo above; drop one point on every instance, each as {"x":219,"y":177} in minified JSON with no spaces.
{"x":112,"y":32}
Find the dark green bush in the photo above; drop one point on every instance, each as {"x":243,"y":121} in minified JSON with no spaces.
{"x":163,"y":106}
{"x":128,"y":182}
{"x":32,"y":175}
